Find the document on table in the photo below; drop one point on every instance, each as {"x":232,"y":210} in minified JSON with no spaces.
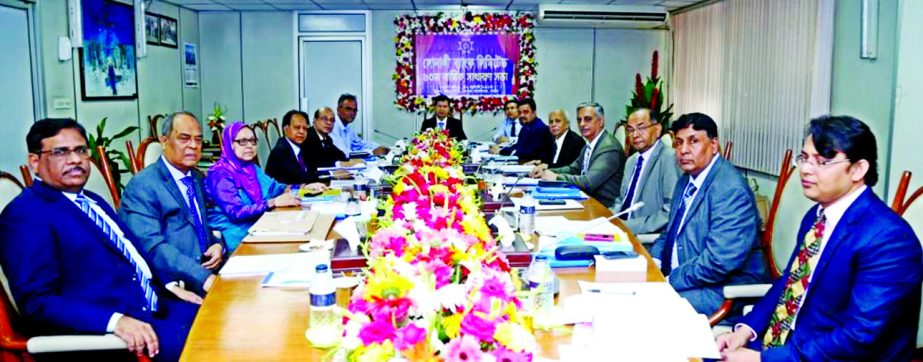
{"x":637,"y":321}
{"x":561,"y":226}
{"x":250,"y":265}
{"x":568,"y":205}
{"x":284,"y":223}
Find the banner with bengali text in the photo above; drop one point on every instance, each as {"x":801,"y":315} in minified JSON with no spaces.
{"x":472,"y":65}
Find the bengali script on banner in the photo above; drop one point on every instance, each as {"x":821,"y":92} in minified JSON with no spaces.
{"x":470,"y":65}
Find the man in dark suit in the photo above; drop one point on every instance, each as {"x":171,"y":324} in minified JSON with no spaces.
{"x":711,"y":238}
{"x":319,"y":150}
{"x":650,"y":176}
{"x":164,"y":205}
{"x":567,"y":143}
{"x":852,"y":287}
{"x":442,"y":120}
{"x":534,"y":141}
{"x":598,"y":169}
{"x":285,"y":163}
{"x":73,"y":267}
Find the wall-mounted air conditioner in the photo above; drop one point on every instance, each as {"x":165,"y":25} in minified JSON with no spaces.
{"x":602,"y":16}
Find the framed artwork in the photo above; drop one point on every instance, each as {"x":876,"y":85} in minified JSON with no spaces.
{"x":152,"y":26}
{"x":190,"y":65}
{"x":107,"y":59}
{"x":168,"y":32}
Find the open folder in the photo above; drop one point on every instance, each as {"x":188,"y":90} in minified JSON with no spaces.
{"x":290,"y":226}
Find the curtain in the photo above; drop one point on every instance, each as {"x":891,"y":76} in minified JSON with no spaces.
{"x":761,"y":69}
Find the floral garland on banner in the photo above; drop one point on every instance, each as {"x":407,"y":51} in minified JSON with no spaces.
{"x":468,"y":23}
{"x":437,"y":288}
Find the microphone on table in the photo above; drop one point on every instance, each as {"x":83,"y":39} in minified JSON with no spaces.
{"x":506,"y":196}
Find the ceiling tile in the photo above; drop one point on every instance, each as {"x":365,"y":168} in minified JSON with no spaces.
{"x":439,"y":2}
{"x":359,"y":6}
{"x":212,"y":7}
{"x":390,"y":6}
{"x":190,"y":2}
{"x":586,"y":2}
{"x":250,"y":7}
{"x":236,"y":2}
{"x":523,"y":7}
{"x":301,"y":6}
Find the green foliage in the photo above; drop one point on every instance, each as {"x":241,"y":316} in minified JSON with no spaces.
{"x":115,"y":158}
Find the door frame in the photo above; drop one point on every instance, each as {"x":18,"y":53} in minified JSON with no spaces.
{"x":365,"y":41}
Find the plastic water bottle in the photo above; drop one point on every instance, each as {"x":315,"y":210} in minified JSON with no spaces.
{"x":324,"y":324}
{"x":541,"y":285}
{"x":527,"y":215}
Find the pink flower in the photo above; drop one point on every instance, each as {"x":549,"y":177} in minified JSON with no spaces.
{"x":505,"y":355}
{"x":465,"y":348}
{"x":494,"y":287}
{"x":376,"y":332}
{"x":390,"y":308}
{"x":409,"y":336}
{"x":478,"y":327}
{"x":358,"y":305}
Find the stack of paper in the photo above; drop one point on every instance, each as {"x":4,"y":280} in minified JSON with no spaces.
{"x":636,"y":321}
{"x":562,"y":226}
{"x":284,"y":223}
{"x":250,"y":265}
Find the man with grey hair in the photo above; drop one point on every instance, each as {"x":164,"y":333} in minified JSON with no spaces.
{"x":164,"y":205}
{"x":598,"y":170}
{"x":318,"y":147}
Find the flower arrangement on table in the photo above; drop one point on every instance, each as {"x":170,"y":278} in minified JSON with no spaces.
{"x":437,"y":288}
{"x":467,"y":23}
{"x":649,"y":94}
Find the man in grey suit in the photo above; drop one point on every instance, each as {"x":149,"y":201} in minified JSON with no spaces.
{"x":598,"y":170}
{"x":650,"y":175}
{"x":164,"y":205}
{"x":711,"y":238}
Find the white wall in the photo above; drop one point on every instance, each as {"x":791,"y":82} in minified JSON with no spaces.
{"x":248,"y":65}
{"x":906,"y":152}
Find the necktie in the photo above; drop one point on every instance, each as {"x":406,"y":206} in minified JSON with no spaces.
{"x":301,"y":162}
{"x":197,"y":221}
{"x":666,"y":256}
{"x":441,"y":124}
{"x":554,"y":151}
{"x":634,"y":184}
{"x":587,"y":152}
{"x":799,"y":275}
{"x":119,"y":243}
{"x":513,"y":130}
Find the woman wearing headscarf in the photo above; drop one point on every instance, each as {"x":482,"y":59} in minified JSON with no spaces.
{"x":240,"y":190}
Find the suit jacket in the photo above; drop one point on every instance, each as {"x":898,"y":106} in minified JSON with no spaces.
{"x":65,"y":274}
{"x":718,"y":242}
{"x":655,"y":189}
{"x":317,"y":153}
{"x":283,"y":166}
{"x":454,"y":125}
{"x":570,"y":150}
{"x":863,"y":302}
{"x":604,"y":174}
{"x":155,"y":210}
{"x":534,"y":142}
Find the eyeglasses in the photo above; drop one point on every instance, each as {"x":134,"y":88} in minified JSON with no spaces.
{"x":246,"y":141}
{"x":640,"y":129}
{"x":802,"y":160}
{"x":61,"y":153}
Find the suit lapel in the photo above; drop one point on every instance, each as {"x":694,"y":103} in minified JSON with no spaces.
{"x":702,"y":192}
{"x":677,"y":199}
{"x":843,"y":229}
{"x":646,"y":172}
{"x":600,"y":145}
{"x":61,"y":202}
{"x":173,"y":189}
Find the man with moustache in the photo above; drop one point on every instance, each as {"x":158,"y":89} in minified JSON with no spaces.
{"x":598,"y":169}
{"x":343,"y":136}
{"x":852,"y":288}
{"x":164,"y":206}
{"x":711,"y":239}
{"x":74,"y":268}
{"x":650,"y":176}
{"x":567,"y":143}
{"x":285,"y":163}
{"x":509,"y":129}
{"x":534,"y":141}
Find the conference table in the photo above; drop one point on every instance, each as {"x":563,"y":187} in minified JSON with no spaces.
{"x":242,"y":321}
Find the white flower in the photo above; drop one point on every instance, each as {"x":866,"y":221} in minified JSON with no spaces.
{"x":351,"y":339}
{"x":452,"y":296}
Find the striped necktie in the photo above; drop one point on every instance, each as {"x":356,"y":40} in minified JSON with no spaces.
{"x":631,"y":189}
{"x":190,"y":199}
{"x":799,"y":277}
{"x":587,"y":152}
{"x":666,"y":256}
{"x":119,"y":243}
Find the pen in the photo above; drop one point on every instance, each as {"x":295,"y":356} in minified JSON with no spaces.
{"x":598,"y":237}
{"x":594,"y":290}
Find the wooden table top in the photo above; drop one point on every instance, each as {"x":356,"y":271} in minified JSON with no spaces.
{"x":241,"y":321}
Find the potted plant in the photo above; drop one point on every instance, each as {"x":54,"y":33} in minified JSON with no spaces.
{"x":649,"y":94}
{"x":118,"y":161}
{"x":216,"y":122}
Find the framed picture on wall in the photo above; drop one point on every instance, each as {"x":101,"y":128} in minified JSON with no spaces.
{"x":107,"y":60}
{"x":152,"y":27}
{"x":168,"y":32}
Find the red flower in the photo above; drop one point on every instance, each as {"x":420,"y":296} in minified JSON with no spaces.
{"x":639,"y":87}
{"x":654,"y":98}
{"x":654,"y":64}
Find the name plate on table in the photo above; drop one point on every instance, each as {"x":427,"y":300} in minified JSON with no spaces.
{"x":343,"y":258}
{"x":290,"y":226}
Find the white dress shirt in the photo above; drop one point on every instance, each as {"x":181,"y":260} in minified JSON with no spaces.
{"x":645,"y":160}
{"x":589,"y":151}
{"x":697,"y":181}
{"x":178,"y":179}
{"x":129,"y":246}
{"x":442,"y":123}
{"x":295,"y":147}
{"x":559,"y":142}
{"x":347,"y":140}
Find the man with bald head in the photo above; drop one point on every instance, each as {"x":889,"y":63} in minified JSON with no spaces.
{"x":650,"y":175}
{"x":164,"y":205}
{"x":318,"y":147}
